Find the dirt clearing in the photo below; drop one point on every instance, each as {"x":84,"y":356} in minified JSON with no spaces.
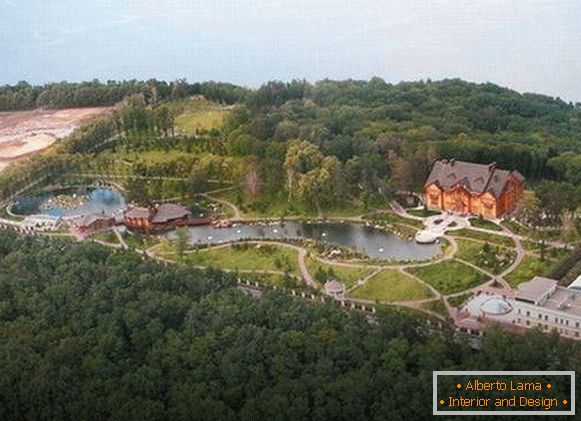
{"x":27,"y":132}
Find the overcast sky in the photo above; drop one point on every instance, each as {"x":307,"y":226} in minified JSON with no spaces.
{"x":528,"y":45}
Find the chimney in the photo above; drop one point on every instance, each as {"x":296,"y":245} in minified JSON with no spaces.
{"x":491,"y":167}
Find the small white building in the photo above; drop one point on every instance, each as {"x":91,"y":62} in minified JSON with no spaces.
{"x":335,"y":289}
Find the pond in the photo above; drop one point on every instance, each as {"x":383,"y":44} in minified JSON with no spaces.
{"x":368,"y":241}
{"x":71,"y":202}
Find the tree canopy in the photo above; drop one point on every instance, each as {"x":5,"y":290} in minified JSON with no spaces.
{"x":91,"y":333}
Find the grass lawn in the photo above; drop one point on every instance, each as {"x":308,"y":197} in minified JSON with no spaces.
{"x":196,"y":115}
{"x":483,"y":223}
{"x":449,"y":276}
{"x":437,"y":306}
{"x":140,"y":241}
{"x":471,"y":251}
{"x":107,"y":236}
{"x":347,"y":275}
{"x":392,"y":218}
{"x":194,"y":122}
{"x":528,"y":268}
{"x":422,"y":213}
{"x":274,"y":280}
{"x":246,"y":257}
{"x":391,"y":285}
{"x":549,"y":235}
{"x":550,"y":252}
{"x":458,"y":300}
{"x":482,"y":236}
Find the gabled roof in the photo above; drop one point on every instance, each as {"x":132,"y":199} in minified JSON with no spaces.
{"x":168,"y":212}
{"x":138,"y":212}
{"x":476,"y":178}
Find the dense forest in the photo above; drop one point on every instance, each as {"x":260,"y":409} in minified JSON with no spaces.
{"x":91,"y":333}
{"x":24,"y":96}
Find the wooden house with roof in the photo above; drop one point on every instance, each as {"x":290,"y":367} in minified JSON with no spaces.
{"x":473,"y":189}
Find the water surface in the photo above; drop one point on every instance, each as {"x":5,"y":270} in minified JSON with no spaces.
{"x":368,"y":241}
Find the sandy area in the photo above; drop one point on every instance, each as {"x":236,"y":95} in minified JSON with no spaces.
{"x":27,"y":132}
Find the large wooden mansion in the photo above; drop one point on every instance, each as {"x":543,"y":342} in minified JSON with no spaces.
{"x":476,"y":189}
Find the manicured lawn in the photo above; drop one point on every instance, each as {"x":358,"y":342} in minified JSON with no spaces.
{"x":347,"y":275}
{"x":482,"y":236}
{"x":436,"y":306}
{"x":549,"y":235}
{"x":449,"y":276}
{"x":483,"y":223}
{"x":140,"y":241}
{"x":196,"y":115}
{"x":392,"y":218}
{"x":422,"y":213}
{"x":528,"y":268}
{"x":458,"y":300}
{"x":391,"y":285}
{"x":550,"y":252}
{"x":192,"y":123}
{"x":107,"y":236}
{"x":246,"y":257}
{"x":472,"y":252}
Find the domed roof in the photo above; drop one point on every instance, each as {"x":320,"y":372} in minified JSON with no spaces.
{"x":334,"y":287}
{"x":496,"y":305}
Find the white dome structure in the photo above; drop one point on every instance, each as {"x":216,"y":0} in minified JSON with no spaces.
{"x":495,"y":306}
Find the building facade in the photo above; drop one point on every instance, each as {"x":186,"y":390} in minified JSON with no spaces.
{"x":473,"y":189}
{"x":541,"y":303}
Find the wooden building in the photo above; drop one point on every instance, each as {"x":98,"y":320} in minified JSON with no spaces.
{"x":169,"y":215}
{"x":138,"y":217}
{"x":165,"y":216}
{"x":473,"y":189}
{"x":95,"y":222}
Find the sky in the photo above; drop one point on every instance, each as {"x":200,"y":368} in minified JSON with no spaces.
{"x":527,"y":45}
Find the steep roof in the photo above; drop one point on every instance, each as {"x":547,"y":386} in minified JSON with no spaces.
{"x":476,"y":178}
{"x":138,"y":212}
{"x":168,"y":212}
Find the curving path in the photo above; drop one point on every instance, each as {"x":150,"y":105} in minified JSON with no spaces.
{"x":237,"y":213}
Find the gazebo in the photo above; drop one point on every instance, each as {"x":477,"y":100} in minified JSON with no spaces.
{"x":335,"y":289}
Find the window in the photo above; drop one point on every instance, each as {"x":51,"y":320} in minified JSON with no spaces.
{"x":540,"y":316}
{"x":528,"y":313}
{"x":546,"y":318}
{"x":577,"y":325}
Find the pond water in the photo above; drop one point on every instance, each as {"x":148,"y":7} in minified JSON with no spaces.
{"x":71,"y":202}
{"x":368,"y":241}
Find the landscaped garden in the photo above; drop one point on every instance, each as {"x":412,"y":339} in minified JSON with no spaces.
{"x":483,"y":236}
{"x":391,"y":285}
{"x":485,"y":224}
{"x":259,"y":257}
{"x":346,"y":274}
{"x":449,"y":276}
{"x":490,"y":257}
{"x":529,"y":267}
